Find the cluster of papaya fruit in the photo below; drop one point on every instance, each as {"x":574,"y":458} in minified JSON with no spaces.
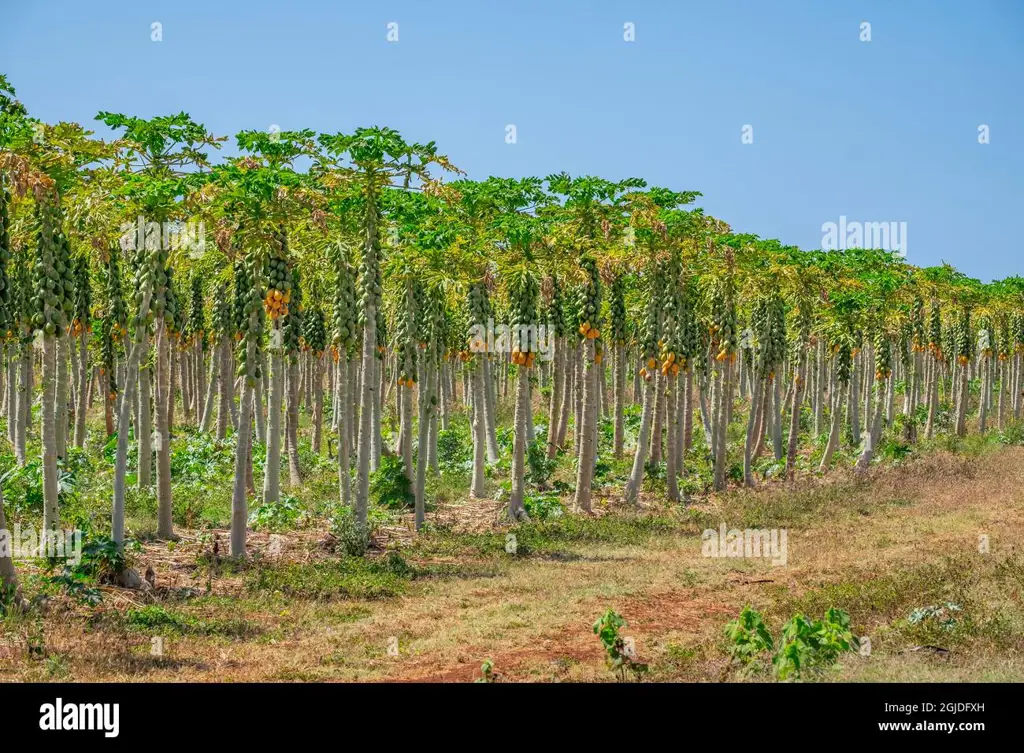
{"x":291,"y":320}
{"x":650,"y":331}
{"x":962,"y":338}
{"x":589,"y":303}
{"x":723,"y":325}
{"x":222,"y":321}
{"x":54,"y":283}
{"x":249,"y":321}
{"x":314,"y":331}
{"x":279,"y":278}
{"x":554,"y":313}
{"x":406,"y":354}
{"x":116,"y":314}
{"x":479,"y":311}
{"x":524,"y":294}
{"x":883,"y":356}
{"x":82,"y":321}
{"x":344,"y":319}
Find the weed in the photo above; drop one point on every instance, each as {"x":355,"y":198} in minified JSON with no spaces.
{"x":618,"y":655}
{"x":389,"y":486}
{"x":277,"y":516}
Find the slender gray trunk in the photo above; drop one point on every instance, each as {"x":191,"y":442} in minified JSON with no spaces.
{"x":367,"y":398}
{"x":588,"y":444}
{"x":516,"y":509}
{"x":143,"y":425}
{"x":48,"y":435}
{"x":875,"y":431}
{"x":164,"y":398}
{"x":80,"y":406}
{"x":636,"y":476}
{"x":479,"y":431}
{"x":272,"y":467}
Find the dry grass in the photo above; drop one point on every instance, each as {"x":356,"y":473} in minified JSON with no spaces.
{"x":905,"y":539}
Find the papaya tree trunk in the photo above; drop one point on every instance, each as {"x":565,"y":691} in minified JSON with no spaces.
{"x":875,"y":430}
{"x":23,"y":402}
{"x":61,"y":416}
{"x":258,"y":416}
{"x":759,"y":390}
{"x":985,"y":365}
{"x":588,"y":435}
{"x":11,"y":390}
{"x":239,"y":497}
{"x":636,"y":476}
{"x":489,"y":412}
{"x":124,"y":416}
{"x":292,"y":423}
{"x":619,"y":398}
{"x":341,"y":386}
{"x":722,"y":422}
{"x":516,"y":508}
{"x":554,"y":403}
{"x":164,"y":396}
{"x":317,"y":389}
{"x":566,"y":391}
{"x":272,"y":467}
{"x":836,"y":425}
{"x":799,"y":380}
{"x":659,"y":413}
{"x":479,"y":430}
{"x":172,"y":382}
{"x":108,"y":403}
{"x":426,"y":409}
{"x":144,"y":426}
{"x":961,"y":405}
{"x":80,"y":403}
{"x":48,"y":435}
{"x":211,"y":391}
{"x":8,"y":578}
{"x":367,"y":397}
{"x":671,"y":454}
{"x":226,"y":386}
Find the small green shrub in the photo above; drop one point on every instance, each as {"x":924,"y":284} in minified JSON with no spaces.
{"x":350,"y":536}
{"x":813,"y":644}
{"x":538,"y":466}
{"x":748,"y":637}
{"x":617,"y":654}
{"x":453,"y":450}
{"x":805,"y":645}
{"x":543,"y":506}
{"x":276,"y":516}
{"x":389,"y":486}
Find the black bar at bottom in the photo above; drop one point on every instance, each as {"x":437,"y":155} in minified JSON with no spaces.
{"x":165,"y":715}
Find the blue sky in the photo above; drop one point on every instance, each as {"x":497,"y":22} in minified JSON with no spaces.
{"x":878,"y":131}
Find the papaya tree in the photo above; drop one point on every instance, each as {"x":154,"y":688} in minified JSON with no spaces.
{"x":157,"y":156}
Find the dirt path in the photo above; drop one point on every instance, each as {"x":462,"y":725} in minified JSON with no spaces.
{"x":535,"y":622}
{"x":532,"y":616}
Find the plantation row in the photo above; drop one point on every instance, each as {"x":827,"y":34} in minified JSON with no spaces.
{"x":363,"y":281}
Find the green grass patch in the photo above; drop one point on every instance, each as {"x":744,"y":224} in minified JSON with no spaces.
{"x":549,"y":536}
{"x":158,"y":620}
{"x":347,"y":578}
